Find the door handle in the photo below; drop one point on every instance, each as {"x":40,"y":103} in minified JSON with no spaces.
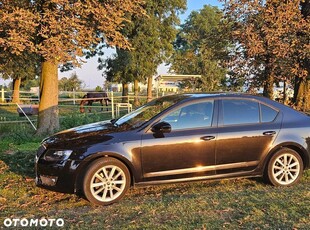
{"x":207,"y":138}
{"x":269,"y":133}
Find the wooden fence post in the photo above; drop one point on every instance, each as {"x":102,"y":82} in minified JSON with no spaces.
{"x":73,"y":97}
{"x":112,"y":105}
{"x":2,"y":95}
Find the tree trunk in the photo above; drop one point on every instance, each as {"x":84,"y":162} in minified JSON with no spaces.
{"x":125,"y":92}
{"x":136,"y":90}
{"x":149,"y":88}
{"x":284,"y":93}
{"x":307,"y":95}
{"x":296,"y":89}
{"x":302,"y":97}
{"x":16,"y":87}
{"x":305,"y":8}
{"x":269,"y":80}
{"x":48,"y":120}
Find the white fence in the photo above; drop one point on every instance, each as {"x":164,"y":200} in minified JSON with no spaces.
{"x":69,"y":102}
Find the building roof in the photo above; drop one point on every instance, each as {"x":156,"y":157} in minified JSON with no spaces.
{"x":177,"y":77}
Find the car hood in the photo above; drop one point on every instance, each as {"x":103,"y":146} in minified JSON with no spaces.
{"x":90,"y":133}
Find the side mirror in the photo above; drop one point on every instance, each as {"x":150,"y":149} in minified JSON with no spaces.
{"x":161,"y":127}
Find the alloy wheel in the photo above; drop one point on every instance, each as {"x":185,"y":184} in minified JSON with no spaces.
{"x":108,"y":183}
{"x":286,"y":169}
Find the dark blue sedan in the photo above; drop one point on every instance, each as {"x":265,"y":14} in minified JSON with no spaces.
{"x":178,"y":138}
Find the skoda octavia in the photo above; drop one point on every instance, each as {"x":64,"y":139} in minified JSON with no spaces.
{"x":178,"y":138}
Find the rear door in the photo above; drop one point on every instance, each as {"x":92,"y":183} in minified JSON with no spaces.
{"x":246,"y":131}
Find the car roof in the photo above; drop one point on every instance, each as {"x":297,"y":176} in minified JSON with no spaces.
{"x":217,"y":94}
{"x":213,"y":95}
{"x":221,"y":95}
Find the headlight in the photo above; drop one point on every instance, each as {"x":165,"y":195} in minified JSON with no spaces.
{"x":57,"y":155}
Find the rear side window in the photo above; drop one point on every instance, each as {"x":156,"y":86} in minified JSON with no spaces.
{"x":268,"y":114}
{"x":240,"y":112}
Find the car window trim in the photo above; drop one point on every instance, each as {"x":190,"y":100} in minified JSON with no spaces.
{"x":221,"y":114}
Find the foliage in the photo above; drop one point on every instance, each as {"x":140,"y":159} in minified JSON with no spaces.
{"x":70,"y":84}
{"x":28,"y":83}
{"x":151,"y":39}
{"x":116,"y":67}
{"x":98,"y":88}
{"x":58,"y":31}
{"x":273,"y":39}
{"x":22,"y":69}
{"x":202,"y":46}
{"x":24,"y":66}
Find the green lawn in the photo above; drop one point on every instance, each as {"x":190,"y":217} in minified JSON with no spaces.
{"x":230,"y":204}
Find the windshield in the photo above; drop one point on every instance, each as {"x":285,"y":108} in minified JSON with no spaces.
{"x":143,"y":114}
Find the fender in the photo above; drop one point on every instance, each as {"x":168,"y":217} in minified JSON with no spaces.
{"x":291,"y":145}
{"x":83,"y":165}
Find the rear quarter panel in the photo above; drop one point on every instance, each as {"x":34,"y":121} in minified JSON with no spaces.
{"x":295,"y":134}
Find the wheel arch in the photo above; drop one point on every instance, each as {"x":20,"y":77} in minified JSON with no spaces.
{"x":290,"y":145}
{"x":89,"y":160}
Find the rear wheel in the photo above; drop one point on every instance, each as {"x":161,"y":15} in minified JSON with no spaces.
{"x":106,"y":181}
{"x":285,"y":168}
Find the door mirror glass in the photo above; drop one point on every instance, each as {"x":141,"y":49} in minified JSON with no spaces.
{"x":161,"y":127}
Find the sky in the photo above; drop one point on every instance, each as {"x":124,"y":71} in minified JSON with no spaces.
{"x":88,"y":72}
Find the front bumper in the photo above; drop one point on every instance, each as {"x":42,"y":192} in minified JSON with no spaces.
{"x":56,"y":176}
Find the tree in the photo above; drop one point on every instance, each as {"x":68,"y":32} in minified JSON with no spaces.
{"x":71,"y":84}
{"x":201,"y":47}
{"x":19,"y":68}
{"x":58,"y":31}
{"x":271,"y":35}
{"x":302,"y":85}
{"x":151,"y":38}
{"x":98,"y":88}
{"x":27,"y":84}
{"x":117,"y":69}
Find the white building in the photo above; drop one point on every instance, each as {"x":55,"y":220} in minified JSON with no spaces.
{"x":162,"y":83}
{"x":170,"y":83}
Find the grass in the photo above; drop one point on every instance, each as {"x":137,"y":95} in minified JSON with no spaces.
{"x":224,"y":204}
{"x":230,"y":204}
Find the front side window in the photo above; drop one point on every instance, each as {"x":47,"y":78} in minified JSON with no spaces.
{"x":240,"y":112}
{"x":191,"y":116}
{"x":146,"y":112}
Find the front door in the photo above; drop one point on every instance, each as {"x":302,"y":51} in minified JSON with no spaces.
{"x":188,"y":150}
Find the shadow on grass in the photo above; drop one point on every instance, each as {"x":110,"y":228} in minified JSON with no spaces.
{"x":8,"y":110}
{"x":21,"y":163}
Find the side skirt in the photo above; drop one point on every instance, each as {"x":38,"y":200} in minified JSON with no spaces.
{"x":200,"y":178}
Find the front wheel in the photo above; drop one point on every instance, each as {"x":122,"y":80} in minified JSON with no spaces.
{"x":106,"y":181}
{"x":285,"y":168}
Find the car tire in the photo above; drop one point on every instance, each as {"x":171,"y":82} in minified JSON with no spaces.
{"x":285,"y":168}
{"x":106,"y":181}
